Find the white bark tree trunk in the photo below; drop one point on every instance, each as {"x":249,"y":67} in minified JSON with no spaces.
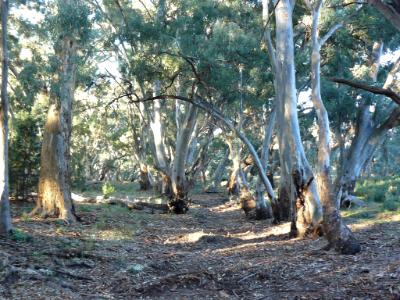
{"x":338,"y":234}
{"x":298,"y":191}
{"x":263,"y":210}
{"x":178,"y":178}
{"x":370,"y":134}
{"x":5,"y":215}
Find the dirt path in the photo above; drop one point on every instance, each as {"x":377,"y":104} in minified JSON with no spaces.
{"x":212,"y":252}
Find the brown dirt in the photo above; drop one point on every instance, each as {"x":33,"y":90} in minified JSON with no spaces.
{"x":212,"y":252}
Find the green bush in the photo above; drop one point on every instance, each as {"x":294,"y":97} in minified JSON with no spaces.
{"x":20,"y":236}
{"x":108,"y":189}
{"x":391,"y":202}
{"x":377,"y":194}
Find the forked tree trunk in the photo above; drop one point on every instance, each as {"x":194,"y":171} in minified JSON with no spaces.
{"x":5,"y":215}
{"x":298,"y":192}
{"x":337,"y":233}
{"x":370,"y":134}
{"x":54,"y":192}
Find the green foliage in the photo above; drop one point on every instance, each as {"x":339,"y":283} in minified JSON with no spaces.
{"x":25,"y":154}
{"x":20,"y":236}
{"x":72,"y":18}
{"x":108,"y":189}
{"x":391,"y":202}
{"x":377,"y":194}
{"x":384,"y":190}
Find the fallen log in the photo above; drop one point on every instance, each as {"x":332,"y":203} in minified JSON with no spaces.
{"x":152,"y":203}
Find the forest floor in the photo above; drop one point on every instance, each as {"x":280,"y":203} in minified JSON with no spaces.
{"x":212,"y":252}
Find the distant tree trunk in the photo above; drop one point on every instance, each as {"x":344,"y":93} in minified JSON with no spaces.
{"x":144,"y":178}
{"x":298,"y":192}
{"x":234,"y":155}
{"x":219,"y":173}
{"x":139,"y":136}
{"x":5,"y":215}
{"x":338,"y":234}
{"x":54,"y":192}
{"x":263,"y":210}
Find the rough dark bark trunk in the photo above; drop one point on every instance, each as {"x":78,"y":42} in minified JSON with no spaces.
{"x":5,"y":215}
{"x":144,"y":178}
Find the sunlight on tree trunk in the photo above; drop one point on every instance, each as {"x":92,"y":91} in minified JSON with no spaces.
{"x":54,"y":193}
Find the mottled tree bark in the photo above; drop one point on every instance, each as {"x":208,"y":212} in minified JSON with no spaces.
{"x":54,"y":192}
{"x":5,"y":215}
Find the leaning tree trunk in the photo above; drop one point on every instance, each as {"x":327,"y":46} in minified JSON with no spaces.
{"x":5,"y":215}
{"x":54,"y":192}
{"x":298,"y":191}
{"x":338,"y":234}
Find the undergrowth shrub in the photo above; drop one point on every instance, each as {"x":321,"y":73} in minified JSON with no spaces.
{"x":108,"y":189}
{"x":391,"y":202}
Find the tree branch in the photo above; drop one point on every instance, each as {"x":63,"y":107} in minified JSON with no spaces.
{"x":373,"y":89}
{"x":388,"y":11}
{"x":329,"y":33}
